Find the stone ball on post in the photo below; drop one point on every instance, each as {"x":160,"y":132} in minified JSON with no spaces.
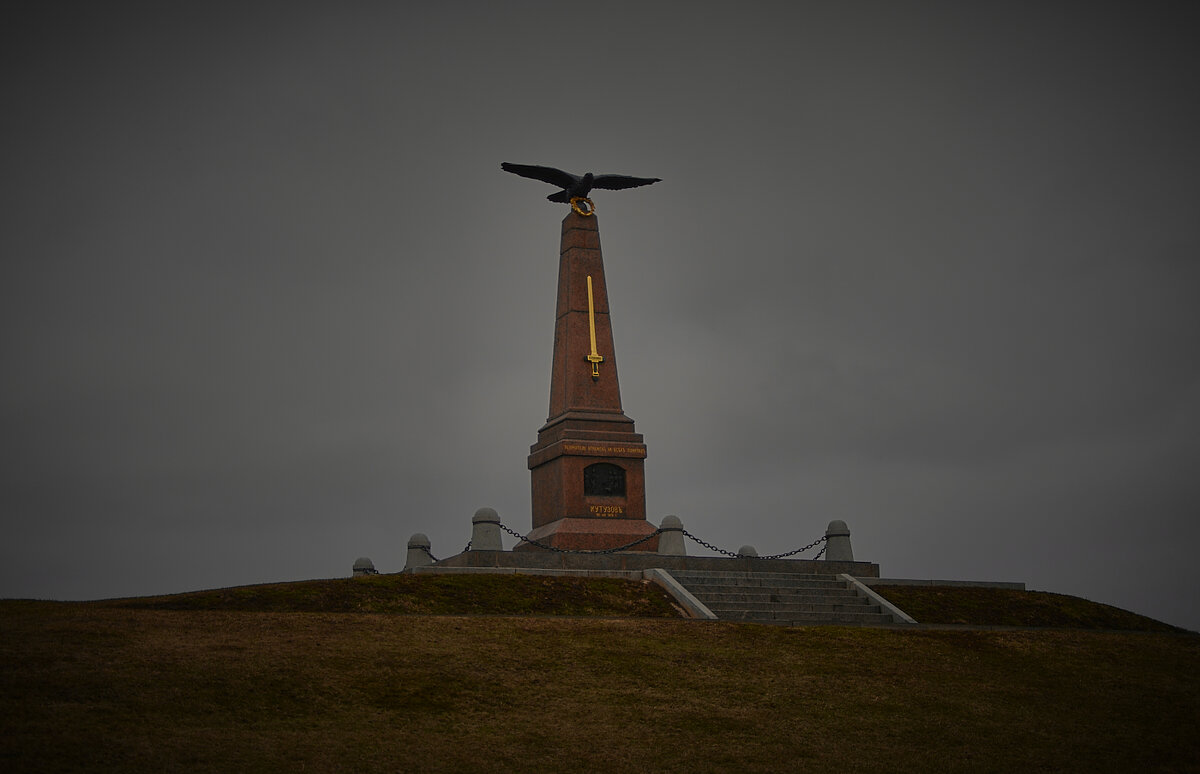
{"x":485,"y":530}
{"x":364,"y":566}
{"x":837,"y":542}
{"x":748,"y":551}
{"x":418,"y":553}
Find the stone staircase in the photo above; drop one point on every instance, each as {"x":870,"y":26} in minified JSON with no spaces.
{"x":786,"y":599}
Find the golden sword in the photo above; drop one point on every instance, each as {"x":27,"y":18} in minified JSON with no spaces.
{"x":593,"y":358}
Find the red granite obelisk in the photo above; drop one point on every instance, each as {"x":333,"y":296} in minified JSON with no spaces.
{"x":588,"y":483}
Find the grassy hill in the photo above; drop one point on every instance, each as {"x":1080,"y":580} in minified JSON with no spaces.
{"x":1009,"y":607}
{"x":267,"y":679}
{"x":482,"y":594}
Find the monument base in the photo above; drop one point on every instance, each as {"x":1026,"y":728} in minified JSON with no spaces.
{"x":516,"y":561}
{"x":592,"y":534}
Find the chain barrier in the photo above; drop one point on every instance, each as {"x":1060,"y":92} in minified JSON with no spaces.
{"x":429,"y":553}
{"x":813,"y":544}
{"x":708,"y":545}
{"x":522,"y":539}
{"x":711,"y":547}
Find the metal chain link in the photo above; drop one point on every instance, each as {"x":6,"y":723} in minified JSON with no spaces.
{"x":711,"y":547}
{"x":429,"y":553}
{"x":813,"y":544}
{"x":522,"y":539}
{"x":708,"y":545}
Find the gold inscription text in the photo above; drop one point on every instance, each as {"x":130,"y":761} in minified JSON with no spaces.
{"x":595,"y":449}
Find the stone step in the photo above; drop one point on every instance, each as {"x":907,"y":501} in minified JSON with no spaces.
{"x":702,"y":574}
{"x":775,"y":600}
{"x":775,"y":582}
{"x":769,"y":591}
{"x":762,"y":588}
{"x":783,"y":609}
{"x":731,"y":594}
{"x":810,"y":619}
{"x":883,"y":620}
{"x":787,"y":599}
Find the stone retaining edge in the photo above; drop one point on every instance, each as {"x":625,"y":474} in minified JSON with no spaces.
{"x":694,"y":607}
{"x":864,"y":590}
{"x":436,"y":570}
{"x":961,"y":583}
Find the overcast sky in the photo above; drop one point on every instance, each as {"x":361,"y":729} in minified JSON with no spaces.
{"x":268,"y":304}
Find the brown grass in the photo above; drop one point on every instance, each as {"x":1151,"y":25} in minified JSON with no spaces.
{"x":1010,"y":607}
{"x":433,"y":594}
{"x":104,"y":688}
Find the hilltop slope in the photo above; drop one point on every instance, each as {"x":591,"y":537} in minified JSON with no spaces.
{"x":105,"y":687}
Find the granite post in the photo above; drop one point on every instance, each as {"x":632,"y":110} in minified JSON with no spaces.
{"x":418,"y":552}
{"x":837,"y":542}
{"x":485,"y":530}
{"x":670,"y":542}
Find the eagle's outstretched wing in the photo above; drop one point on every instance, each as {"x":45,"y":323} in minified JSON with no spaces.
{"x":620,"y":182}
{"x":545,"y":174}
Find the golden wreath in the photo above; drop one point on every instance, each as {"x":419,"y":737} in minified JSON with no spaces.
{"x":590,"y":206}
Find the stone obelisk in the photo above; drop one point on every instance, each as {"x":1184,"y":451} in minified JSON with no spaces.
{"x":588,"y":483}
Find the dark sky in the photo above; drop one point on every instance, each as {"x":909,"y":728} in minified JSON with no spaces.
{"x":268,"y":304}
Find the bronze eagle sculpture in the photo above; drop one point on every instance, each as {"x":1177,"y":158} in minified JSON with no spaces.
{"x":574,"y":186}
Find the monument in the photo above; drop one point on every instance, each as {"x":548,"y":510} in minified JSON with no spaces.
{"x":587,"y":476}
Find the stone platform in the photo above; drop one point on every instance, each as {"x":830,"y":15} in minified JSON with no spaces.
{"x":643,"y":560}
